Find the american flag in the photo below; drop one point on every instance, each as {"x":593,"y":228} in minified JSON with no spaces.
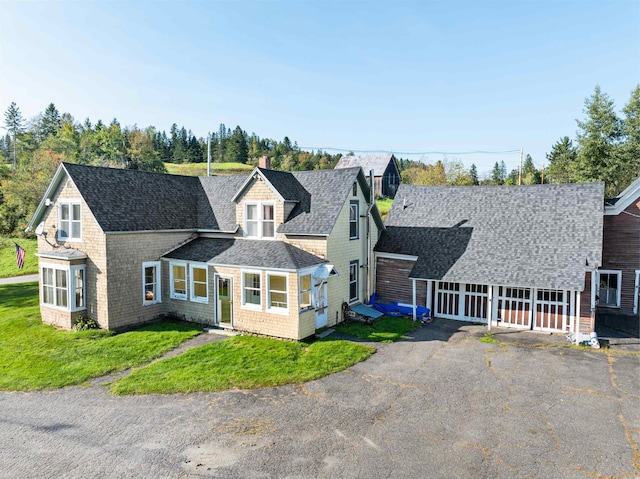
{"x":20,"y":252}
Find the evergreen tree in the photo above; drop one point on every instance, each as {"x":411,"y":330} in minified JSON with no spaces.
{"x":237,"y":149}
{"x":562,"y":162}
{"x":599,"y":136}
{"x":630,"y":151}
{"x":14,"y":123}
{"x":497,"y":176}
{"x":51,"y":122}
{"x":530,"y":174}
{"x":473,"y":173}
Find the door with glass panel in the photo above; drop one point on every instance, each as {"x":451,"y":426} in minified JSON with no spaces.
{"x":224,"y":301}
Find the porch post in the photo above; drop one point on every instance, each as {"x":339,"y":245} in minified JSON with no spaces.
{"x":413,"y":291}
{"x":428,"y":305}
{"x":534,"y":307}
{"x":577,"y":331}
{"x":572,"y":310}
{"x":489,"y":307}
{"x":593,"y":299}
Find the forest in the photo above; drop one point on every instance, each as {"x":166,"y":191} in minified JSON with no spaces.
{"x":606,"y":148}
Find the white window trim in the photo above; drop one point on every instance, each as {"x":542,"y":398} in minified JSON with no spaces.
{"x":70,"y":202}
{"x":172,"y":293}
{"x":158,"y":298}
{"x":357,"y":280}
{"x":356,"y":221}
{"x":71,"y":286}
{"x":192,"y":297}
{"x":619,"y":289}
{"x":260,"y":219}
{"x":277,"y":309}
{"x":243,"y":303}
{"x":310,"y":290}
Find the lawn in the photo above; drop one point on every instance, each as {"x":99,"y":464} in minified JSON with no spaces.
{"x":245,"y":362}
{"x":8,"y":265}
{"x":386,"y":329}
{"x":384,"y":205}
{"x":35,"y":356}
{"x":200,"y":169}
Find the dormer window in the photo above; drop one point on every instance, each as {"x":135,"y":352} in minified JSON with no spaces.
{"x":69,"y":221}
{"x":260,"y":220}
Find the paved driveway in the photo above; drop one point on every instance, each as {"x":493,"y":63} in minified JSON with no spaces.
{"x":442,"y":405}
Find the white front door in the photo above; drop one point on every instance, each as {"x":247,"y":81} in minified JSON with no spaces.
{"x":320,"y":291}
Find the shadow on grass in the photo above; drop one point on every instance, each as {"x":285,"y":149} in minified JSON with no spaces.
{"x":18,"y":295}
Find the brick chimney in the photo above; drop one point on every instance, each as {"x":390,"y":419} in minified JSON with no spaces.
{"x":264,"y":162}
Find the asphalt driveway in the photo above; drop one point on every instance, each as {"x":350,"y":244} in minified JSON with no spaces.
{"x":441,"y":405}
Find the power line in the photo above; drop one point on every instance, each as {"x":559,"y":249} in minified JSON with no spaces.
{"x":476,"y":152}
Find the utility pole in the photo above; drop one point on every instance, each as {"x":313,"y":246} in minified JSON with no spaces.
{"x":520,"y":169}
{"x":543,"y":174}
{"x":209,"y":154}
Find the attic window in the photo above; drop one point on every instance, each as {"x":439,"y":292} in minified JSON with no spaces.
{"x":355,"y":189}
{"x":69,"y":220}
{"x":259,"y":220}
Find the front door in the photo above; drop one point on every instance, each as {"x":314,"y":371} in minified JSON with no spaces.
{"x":320,"y":288}
{"x":224,"y":301}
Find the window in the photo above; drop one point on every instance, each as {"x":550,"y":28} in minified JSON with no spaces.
{"x":353,"y":281}
{"x":199,"y":284}
{"x":251,"y":297}
{"x":609,"y":288}
{"x":178,"y":280}
{"x":260,"y":220}
{"x":355,"y":189}
{"x":64,"y":286}
{"x":69,"y":222}
{"x":277,"y":291}
{"x":353,"y":220}
{"x":151,"y":282}
{"x":305,"y":291}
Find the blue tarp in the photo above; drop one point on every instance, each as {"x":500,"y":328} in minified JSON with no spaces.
{"x":397,"y":309}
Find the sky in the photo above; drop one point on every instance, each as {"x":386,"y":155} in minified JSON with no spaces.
{"x":439,"y":80}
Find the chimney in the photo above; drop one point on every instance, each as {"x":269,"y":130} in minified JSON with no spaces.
{"x":264,"y":163}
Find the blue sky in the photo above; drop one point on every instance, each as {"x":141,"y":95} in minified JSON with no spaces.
{"x":381,"y":76}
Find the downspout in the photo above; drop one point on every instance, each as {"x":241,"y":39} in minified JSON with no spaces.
{"x":369,"y":240}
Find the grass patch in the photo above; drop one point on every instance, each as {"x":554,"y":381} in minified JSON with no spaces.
{"x":487,"y":338}
{"x":35,"y":356}
{"x":386,"y":329}
{"x":200,"y":169}
{"x":384,"y":205}
{"x":8,"y":265}
{"x":245,"y":362}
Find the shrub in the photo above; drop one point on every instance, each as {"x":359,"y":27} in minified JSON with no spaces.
{"x":84,"y":324}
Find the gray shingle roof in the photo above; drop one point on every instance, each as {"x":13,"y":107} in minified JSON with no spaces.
{"x":243,"y":252}
{"x":328,"y":190}
{"x":377,"y":163}
{"x":538,"y":236}
{"x":133,"y":200}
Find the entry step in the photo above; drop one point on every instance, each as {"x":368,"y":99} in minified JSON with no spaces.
{"x":325,"y":333}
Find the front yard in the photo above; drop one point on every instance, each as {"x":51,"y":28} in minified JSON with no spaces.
{"x":34,"y":356}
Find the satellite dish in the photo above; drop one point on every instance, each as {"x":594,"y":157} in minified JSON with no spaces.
{"x":40,"y":229}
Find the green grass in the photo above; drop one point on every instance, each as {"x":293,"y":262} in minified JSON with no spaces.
{"x":35,"y":356}
{"x":245,"y":362}
{"x":386,"y":329}
{"x":8,"y":265}
{"x":384,"y":205}
{"x":200,"y":169}
{"x":488,"y":338}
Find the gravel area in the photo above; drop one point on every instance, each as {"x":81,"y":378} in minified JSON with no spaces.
{"x":439,"y":405}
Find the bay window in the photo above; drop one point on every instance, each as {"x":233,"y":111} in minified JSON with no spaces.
{"x":63,"y":286}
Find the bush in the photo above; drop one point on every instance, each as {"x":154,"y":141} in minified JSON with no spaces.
{"x":84,"y":324}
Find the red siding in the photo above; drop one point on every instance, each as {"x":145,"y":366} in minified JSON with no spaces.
{"x":585,"y":305}
{"x":621,"y":252}
{"x":393,"y":282}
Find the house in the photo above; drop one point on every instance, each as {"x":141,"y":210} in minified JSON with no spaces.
{"x":518,"y":256}
{"x":385,"y":167}
{"x":271,"y":253}
{"x":619,"y":278}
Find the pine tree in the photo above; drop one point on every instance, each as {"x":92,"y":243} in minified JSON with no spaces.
{"x":599,"y":136}
{"x":530,"y":174}
{"x":562,"y":162}
{"x":237,"y":149}
{"x":497,"y":176}
{"x":473,"y":173}
{"x":630,"y":151}
{"x":14,"y":123}
{"x":51,"y":122}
